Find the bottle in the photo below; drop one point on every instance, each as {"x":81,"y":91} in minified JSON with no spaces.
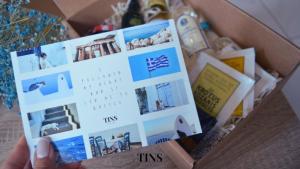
{"x":132,"y":17}
{"x":162,"y":10}
{"x":192,"y":38}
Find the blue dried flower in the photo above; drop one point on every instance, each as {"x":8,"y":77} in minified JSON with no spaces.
{"x":19,"y":32}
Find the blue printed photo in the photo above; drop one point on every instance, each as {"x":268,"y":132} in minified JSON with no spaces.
{"x":42,"y":57}
{"x":169,"y":128}
{"x":70,"y":150}
{"x":148,"y":35}
{"x":115,"y":140}
{"x":161,"y":96}
{"x":47,"y":88}
{"x":154,"y":64}
{"x":53,"y":120}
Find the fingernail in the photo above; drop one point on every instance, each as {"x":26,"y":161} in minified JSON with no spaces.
{"x":42,"y":149}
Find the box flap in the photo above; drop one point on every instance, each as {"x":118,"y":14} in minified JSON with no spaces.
{"x":291,"y":91}
{"x":47,"y":6}
{"x":273,"y":50}
{"x":83,"y":14}
{"x":72,"y":7}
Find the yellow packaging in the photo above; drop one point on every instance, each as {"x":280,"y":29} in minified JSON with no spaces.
{"x":238,"y":64}
{"x":212,"y":89}
{"x":244,"y":62}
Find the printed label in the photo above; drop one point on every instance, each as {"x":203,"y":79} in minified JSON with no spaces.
{"x":212,"y":89}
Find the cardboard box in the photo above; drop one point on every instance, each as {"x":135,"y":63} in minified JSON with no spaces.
{"x":255,"y":138}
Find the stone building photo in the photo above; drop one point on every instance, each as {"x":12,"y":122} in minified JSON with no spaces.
{"x":97,"y":48}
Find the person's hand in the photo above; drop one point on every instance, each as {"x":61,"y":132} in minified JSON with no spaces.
{"x":45,"y":157}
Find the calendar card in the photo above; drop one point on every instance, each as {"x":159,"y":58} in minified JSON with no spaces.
{"x":106,"y":93}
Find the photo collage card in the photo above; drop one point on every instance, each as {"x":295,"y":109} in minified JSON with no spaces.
{"x":106,"y":93}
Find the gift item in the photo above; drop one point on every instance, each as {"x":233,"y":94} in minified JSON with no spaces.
{"x":102,"y":28}
{"x":264,"y":83}
{"x":93,"y":96}
{"x":157,"y":10}
{"x":225,"y":44}
{"x":116,"y":19}
{"x":192,"y":61}
{"x":244,"y":62}
{"x":192,"y":38}
{"x":133,"y":16}
{"x":219,"y":89}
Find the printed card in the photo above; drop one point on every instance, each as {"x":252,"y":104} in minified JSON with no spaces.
{"x":106,"y":93}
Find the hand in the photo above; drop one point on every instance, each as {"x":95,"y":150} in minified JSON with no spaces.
{"x":44,"y":157}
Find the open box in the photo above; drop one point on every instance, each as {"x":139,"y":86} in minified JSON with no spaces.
{"x":261,"y":137}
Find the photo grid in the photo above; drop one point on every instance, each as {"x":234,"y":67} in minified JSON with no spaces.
{"x":156,"y":100}
{"x":150,"y":100}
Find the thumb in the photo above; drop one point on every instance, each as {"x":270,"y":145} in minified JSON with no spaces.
{"x":45,"y":155}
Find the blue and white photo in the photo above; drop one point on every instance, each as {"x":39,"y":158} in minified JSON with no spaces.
{"x":47,"y":88}
{"x":169,"y":128}
{"x":148,"y":35}
{"x":162,"y":96}
{"x":70,"y":150}
{"x":115,"y":140}
{"x":43,"y":57}
{"x":53,"y":120}
{"x":154,"y":64}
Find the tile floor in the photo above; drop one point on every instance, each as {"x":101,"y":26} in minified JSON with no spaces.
{"x":281,"y":15}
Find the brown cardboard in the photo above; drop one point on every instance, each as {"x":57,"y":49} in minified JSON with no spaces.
{"x":82,"y":15}
{"x":225,"y":18}
{"x":47,"y":6}
{"x":92,"y":13}
{"x":177,"y":154}
{"x":273,"y":52}
{"x":267,"y":139}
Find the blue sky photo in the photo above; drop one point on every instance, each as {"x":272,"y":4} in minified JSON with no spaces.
{"x":139,"y":68}
{"x":70,"y":149}
{"x":50,"y":80}
{"x":145,"y":31}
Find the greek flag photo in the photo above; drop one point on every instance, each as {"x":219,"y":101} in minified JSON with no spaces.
{"x":154,"y":64}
